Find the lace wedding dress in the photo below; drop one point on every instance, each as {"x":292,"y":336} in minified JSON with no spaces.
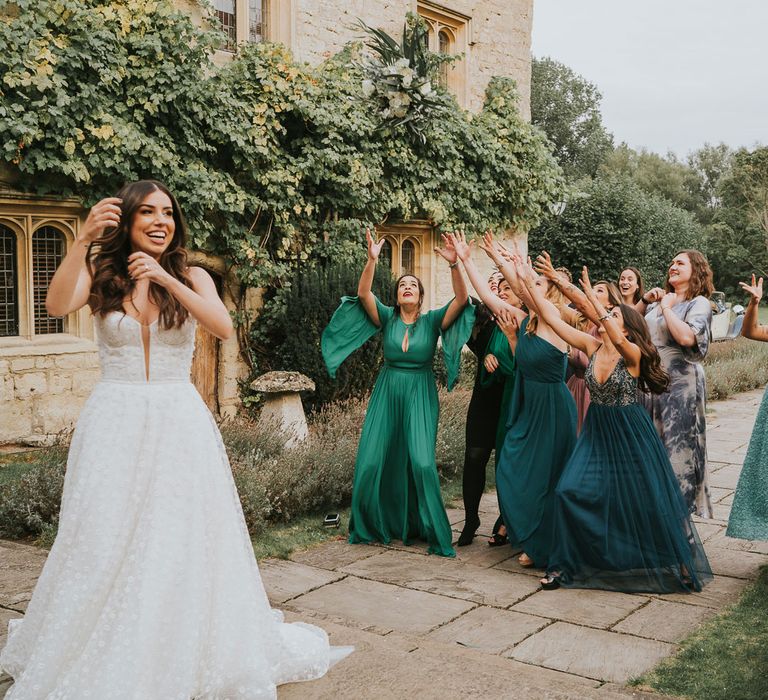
{"x":151,"y":590}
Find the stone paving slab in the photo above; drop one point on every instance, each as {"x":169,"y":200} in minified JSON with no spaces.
{"x":720,"y":539}
{"x":396,"y":666}
{"x":735,"y":563}
{"x":708,"y":529}
{"x":381,"y":607}
{"x":480,"y":554}
{"x":284,"y":580}
{"x":664,"y":621}
{"x":489,"y":630}
{"x":727,"y":477}
{"x":20,"y":565}
{"x":601,"y":609}
{"x":592,"y":653}
{"x":718,"y":593}
{"x":445,"y":577}
{"x":334,"y":554}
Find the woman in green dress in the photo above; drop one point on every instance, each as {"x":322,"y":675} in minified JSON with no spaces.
{"x":620,"y":520}
{"x":541,"y":426}
{"x":749,"y":513}
{"x":396,"y":488}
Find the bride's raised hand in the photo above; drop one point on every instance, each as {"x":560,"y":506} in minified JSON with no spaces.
{"x":374,"y":246}
{"x":103,"y":215}
{"x":754,"y":290}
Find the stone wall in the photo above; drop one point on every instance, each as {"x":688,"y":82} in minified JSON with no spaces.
{"x":43,"y":388}
{"x":499,"y":42}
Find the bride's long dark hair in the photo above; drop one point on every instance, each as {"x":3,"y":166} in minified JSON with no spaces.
{"x":108,"y":259}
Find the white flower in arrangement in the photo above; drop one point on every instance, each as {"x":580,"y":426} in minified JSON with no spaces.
{"x":425,"y":88}
{"x":368,"y":88}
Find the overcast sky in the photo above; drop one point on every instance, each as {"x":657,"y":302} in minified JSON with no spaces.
{"x":673,"y":73}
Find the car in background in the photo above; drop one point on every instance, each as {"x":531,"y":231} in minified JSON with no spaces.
{"x":727,"y":318}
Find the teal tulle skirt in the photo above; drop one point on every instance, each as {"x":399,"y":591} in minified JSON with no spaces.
{"x":620,"y":520}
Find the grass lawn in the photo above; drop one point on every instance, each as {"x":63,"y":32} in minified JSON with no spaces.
{"x":726,"y":659}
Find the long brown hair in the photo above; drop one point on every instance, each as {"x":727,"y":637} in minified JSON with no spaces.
{"x":652,"y":377}
{"x":108,"y":259}
{"x":640,"y":291}
{"x":614,"y":295}
{"x":701,"y":282}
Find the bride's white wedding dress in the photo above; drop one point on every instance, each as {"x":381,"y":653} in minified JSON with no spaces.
{"x":151,"y":590}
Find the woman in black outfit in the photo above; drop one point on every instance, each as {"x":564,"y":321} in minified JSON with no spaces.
{"x":482,"y":421}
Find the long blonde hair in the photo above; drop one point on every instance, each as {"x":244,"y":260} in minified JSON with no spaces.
{"x":554,"y":295}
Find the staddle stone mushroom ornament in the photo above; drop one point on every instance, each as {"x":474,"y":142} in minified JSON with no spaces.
{"x":283,"y":403}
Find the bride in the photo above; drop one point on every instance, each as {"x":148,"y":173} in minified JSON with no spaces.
{"x":151,"y":589}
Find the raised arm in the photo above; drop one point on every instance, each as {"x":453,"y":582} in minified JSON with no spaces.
{"x":70,"y":287}
{"x":464,"y":253}
{"x":627,"y":349}
{"x":545,"y":267}
{"x":364,"y":293}
{"x":551,"y":316}
{"x":460,"y":296}
{"x":751,"y":328}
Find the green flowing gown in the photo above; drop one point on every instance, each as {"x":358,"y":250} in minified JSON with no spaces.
{"x":541,"y":433}
{"x":396,"y":488}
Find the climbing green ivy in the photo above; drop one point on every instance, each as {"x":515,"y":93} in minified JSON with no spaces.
{"x":276,"y":163}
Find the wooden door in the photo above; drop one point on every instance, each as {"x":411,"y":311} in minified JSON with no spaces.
{"x":205,"y":362}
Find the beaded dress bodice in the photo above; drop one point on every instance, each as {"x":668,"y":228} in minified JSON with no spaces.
{"x":619,"y":389}
{"x":121,"y":350}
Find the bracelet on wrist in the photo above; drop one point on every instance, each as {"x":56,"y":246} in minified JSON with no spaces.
{"x":603,"y":318}
{"x":452,"y":265}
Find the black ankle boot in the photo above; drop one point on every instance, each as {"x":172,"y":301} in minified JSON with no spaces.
{"x":468,"y":531}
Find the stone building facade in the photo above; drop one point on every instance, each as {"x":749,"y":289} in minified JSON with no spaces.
{"x":49,"y":366}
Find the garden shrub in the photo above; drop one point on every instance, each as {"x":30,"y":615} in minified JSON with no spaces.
{"x":286,"y":335}
{"x":613,"y":223}
{"x":31,"y":502}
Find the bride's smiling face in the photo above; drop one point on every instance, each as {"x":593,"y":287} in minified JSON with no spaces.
{"x":153,"y":225}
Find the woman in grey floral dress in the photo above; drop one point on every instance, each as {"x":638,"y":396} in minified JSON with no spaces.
{"x":680,"y":325}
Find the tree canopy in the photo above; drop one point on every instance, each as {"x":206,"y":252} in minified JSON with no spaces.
{"x":567,"y":107}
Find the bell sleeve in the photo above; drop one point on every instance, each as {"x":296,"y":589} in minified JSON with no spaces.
{"x":349,"y":328}
{"x":453,"y":338}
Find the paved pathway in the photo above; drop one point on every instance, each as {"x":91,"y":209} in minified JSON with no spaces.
{"x":478,"y":626}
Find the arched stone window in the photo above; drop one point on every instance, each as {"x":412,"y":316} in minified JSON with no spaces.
{"x":385,"y":257}
{"x":48,"y":248}
{"x":9,"y":283}
{"x":445,"y":48}
{"x":407,"y":258}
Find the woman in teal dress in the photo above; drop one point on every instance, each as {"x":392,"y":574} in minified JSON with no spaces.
{"x":620,"y":520}
{"x":541,"y":425}
{"x":749,"y":513}
{"x":396,"y":488}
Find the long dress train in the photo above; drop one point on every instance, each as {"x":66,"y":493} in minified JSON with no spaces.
{"x":151,"y":589}
{"x":541,"y":433}
{"x":621,"y":522}
{"x":396,"y":489}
